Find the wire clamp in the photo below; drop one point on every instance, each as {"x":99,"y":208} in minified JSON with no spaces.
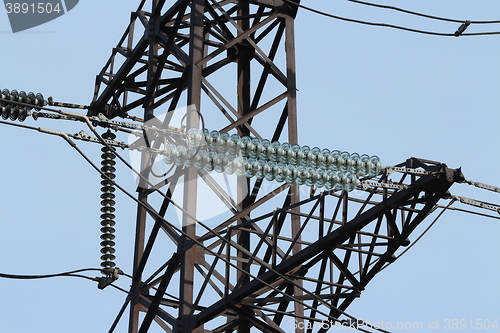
{"x":462,"y":28}
{"x":105,"y":281}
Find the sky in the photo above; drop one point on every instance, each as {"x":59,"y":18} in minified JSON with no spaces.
{"x":364,"y":89}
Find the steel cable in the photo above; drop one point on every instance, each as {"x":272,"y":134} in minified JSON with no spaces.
{"x":420,"y":14}
{"x":389,"y":25}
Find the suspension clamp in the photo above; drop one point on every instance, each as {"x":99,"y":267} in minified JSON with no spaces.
{"x":105,"y":281}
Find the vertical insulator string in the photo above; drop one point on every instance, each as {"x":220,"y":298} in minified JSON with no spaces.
{"x":108,"y":218}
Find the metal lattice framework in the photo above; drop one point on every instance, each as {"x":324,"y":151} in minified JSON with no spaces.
{"x":260,"y":266}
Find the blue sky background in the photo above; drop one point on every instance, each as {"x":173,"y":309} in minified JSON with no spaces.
{"x":362,"y":89}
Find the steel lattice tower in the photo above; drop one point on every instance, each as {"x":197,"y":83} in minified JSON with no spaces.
{"x":280,"y":255}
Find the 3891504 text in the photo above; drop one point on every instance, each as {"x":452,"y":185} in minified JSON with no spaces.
{"x":32,"y":8}
{"x":468,"y":324}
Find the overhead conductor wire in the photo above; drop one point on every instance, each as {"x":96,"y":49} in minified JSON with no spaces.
{"x":420,"y":14}
{"x":46,"y":276}
{"x":397,"y":26}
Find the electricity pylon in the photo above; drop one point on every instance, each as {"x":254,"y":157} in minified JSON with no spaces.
{"x":280,"y":260}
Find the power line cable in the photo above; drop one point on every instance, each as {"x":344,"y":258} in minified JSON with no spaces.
{"x":32,"y":277}
{"x":469,"y":212}
{"x":67,"y":274}
{"x":420,"y":14}
{"x":391,"y":25}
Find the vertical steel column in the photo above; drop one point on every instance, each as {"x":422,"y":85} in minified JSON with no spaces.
{"x":186,"y":248}
{"x":293,"y":139}
{"x":140,"y":233}
{"x":138,"y":251}
{"x":245,"y":55}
